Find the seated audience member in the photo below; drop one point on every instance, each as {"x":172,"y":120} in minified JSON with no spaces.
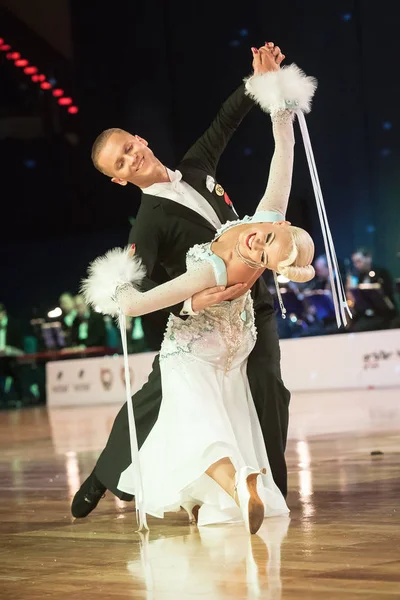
{"x":67,"y":305}
{"x":88,"y":328}
{"x":11,"y":345}
{"x":367,"y":271}
{"x":321,"y":279}
{"x":318,"y":309}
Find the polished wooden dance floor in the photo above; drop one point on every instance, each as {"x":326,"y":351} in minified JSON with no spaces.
{"x":342,"y":540}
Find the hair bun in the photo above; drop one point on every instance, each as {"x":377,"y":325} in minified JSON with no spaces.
{"x":298,"y":274}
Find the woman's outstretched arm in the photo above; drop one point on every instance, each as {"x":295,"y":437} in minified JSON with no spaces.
{"x":136,"y":303}
{"x":276,"y":196}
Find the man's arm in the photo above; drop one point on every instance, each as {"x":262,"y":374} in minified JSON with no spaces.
{"x":206,"y":152}
{"x":148,"y":248}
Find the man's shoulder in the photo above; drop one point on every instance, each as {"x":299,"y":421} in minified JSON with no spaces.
{"x":148,"y":203}
{"x":191,"y":169}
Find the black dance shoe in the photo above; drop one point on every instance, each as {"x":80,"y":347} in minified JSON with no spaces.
{"x":87,"y":497}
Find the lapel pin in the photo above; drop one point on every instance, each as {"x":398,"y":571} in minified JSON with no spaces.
{"x":219,"y":190}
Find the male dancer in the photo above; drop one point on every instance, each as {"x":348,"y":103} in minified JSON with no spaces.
{"x":178,"y":210}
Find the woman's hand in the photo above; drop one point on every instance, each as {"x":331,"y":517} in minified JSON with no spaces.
{"x":267,"y":59}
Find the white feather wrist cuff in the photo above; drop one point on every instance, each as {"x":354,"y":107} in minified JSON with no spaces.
{"x":289,"y":88}
{"x":107,"y":273}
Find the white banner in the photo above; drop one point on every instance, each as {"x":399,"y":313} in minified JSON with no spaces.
{"x":342,"y":361}
{"x":94,"y":380}
{"x":346,"y":361}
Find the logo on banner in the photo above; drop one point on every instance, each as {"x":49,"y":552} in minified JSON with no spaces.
{"x":123,"y":375}
{"x":373,"y":360}
{"x":60,"y":388}
{"x":106,"y":378}
{"x":81,"y":386}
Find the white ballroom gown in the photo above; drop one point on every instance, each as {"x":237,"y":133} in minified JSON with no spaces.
{"x":207,"y":412}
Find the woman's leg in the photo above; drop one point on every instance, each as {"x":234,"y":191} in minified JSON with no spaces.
{"x":245,"y":494}
{"x":223,"y":472}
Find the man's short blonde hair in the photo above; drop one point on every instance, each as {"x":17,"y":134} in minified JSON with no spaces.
{"x":99,"y":144}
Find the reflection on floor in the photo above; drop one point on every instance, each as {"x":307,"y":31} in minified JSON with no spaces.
{"x":342,"y":539}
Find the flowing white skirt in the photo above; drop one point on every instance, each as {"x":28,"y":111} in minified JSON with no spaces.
{"x":205,"y":415}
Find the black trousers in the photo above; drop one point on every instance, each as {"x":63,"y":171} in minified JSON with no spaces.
{"x":270,"y":396}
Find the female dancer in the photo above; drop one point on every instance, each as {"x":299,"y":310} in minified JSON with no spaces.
{"x":206,"y":448}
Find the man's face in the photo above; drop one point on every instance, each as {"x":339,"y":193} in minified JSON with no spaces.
{"x":80,"y":306}
{"x":361,"y":263}
{"x":67,"y":303}
{"x":128,"y":159}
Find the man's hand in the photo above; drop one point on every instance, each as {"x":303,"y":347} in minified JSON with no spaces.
{"x":216,"y":295}
{"x":266,"y":59}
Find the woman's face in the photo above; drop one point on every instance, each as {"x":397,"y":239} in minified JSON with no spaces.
{"x":266,"y":244}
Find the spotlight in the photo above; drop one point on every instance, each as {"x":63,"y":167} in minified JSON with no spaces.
{"x":73,"y":110}
{"x":30,"y":70}
{"x":65,"y":101}
{"x":56,"y":312}
{"x":21,"y":62}
{"x":372,"y":273}
{"x":45,"y":85}
{"x":13,"y":55}
{"x":58,"y":92}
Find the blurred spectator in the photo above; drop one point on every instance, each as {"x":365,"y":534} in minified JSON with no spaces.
{"x":88,"y":328}
{"x":11,"y":345}
{"x":67,"y":305}
{"x":366,"y":271}
{"x":370,"y":314}
{"x":11,"y":341}
{"x":321,"y":279}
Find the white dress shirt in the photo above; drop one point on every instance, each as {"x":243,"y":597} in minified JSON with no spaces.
{"x":181,"y":192}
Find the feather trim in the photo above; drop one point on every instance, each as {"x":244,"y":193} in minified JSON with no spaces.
{"x":106,"y":273}
{"x":288,"y":88}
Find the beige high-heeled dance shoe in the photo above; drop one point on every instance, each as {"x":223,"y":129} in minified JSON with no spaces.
{"x":250,"y":503}
{"x":192,"y":509}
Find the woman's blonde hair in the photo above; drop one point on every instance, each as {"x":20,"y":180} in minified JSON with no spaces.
{"x":297,"y":266}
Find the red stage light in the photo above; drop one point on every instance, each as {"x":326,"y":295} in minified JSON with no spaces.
{"x":65,"y":101}
{"x":30,"y":70}
{"x":41,"y":77}
{"x":57,"y":93}
{"x":13,"y":55}
{"x":21,"y":62}
{"x":1,"y":41}
{"x":45,"y":85}
{"x":35,"y":78}
{"x":5,"y":47}
{"x":73,"y":110}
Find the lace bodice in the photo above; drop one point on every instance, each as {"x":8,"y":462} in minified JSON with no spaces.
{"x":218,"y":333}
